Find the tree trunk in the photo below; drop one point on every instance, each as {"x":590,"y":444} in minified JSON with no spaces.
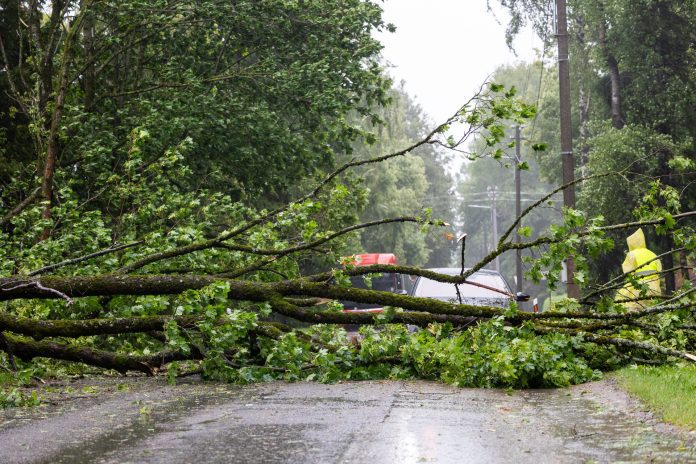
{"x":614,"y":77}
{"x":670,"y":281}
{"x":688,"y":270}
{"x":53,"y":147}
{"x":584,"y":104}
{"x":68,"y":287}
{"x":90,"y":84}
{"x":616,"y":118}
{"x":27,"y":349}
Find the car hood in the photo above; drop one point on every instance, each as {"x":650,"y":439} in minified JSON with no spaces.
{"x":501,"y":302}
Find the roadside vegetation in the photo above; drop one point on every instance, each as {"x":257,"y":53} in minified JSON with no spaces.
{"x":178,"y":177}
{"x":669,"y":391}
{"x":14,"y":391}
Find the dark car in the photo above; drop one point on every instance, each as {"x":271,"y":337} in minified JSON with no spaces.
{"x":392,"y":283}
{"x":492,"y":289}
{"x":387,"y":282}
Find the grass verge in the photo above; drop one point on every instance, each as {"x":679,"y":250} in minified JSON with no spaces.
{"x":669,"y":391}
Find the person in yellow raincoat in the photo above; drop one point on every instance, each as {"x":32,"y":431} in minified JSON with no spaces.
{"x":642,"y":263}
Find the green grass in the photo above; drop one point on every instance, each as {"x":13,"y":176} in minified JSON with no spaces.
{"x":669,"y":391}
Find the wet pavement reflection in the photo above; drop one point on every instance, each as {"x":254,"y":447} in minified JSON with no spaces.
{"x":385,"y":422}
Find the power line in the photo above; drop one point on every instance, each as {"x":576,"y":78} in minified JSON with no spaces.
{"x":541,"y":79}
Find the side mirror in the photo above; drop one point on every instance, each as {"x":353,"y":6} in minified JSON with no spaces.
{"x":519,"y":296}
{"x":402,"y":292}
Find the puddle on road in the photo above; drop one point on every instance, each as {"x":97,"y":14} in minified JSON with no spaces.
{"x":146,"y":419}
{"x":444,"y":424}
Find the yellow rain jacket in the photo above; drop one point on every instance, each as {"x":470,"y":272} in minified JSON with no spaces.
{"x":642,"y":262}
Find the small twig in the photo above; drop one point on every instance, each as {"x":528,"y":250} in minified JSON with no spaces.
{"x":38,"y":285}
{"x":67,"y":262}
{"x":463,"y":240}
{"x":320,"y":241}
{"x":617,"y":281}
{"x":528,"y":209}
{"x":459,"y":294}
{"x":257,"y":266}
{"x":20,"y":207}
{"x":649,"y":222}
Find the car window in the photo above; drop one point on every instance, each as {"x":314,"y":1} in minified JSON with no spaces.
{"x":430,"y":288}
{"x":383,"y":283}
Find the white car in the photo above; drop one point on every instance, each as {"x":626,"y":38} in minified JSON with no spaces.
{"x":483,"y":288}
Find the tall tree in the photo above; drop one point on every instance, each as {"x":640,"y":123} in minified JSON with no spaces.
{"x":255,"y":85}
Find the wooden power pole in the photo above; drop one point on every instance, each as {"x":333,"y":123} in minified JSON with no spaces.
{"x":566,"y":136}
{"x":518,"y":208}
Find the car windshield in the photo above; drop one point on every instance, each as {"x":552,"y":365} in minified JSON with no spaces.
{"x":432,"y":289}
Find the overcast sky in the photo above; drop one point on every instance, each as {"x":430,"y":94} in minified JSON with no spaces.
{"x":445,"y":49}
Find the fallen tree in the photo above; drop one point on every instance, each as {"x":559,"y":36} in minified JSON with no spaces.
{"x":206,"y":294}
{"x":628,"y":336}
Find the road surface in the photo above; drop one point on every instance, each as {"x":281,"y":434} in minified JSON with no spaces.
{"x":139,"y":420}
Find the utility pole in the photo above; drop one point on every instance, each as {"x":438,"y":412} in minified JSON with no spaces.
{"x":518,"y":208}
{"x":566,"y":136}
{"x":493,"y":194}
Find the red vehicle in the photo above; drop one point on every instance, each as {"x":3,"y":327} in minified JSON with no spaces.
{"x":386,"y":282}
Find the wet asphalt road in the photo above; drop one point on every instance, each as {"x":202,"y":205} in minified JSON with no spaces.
{"x":145,"y":421}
